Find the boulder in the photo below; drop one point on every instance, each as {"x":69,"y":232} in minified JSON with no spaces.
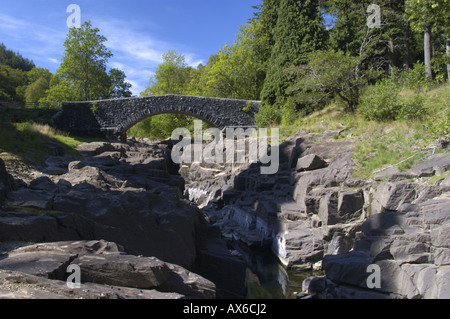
{"x":95,"y":148}
{"x":6,"y":181}
{"x":389,"y":196}
{"x":93,"y":176}
{"x":297,"y":244}
{"x":57,"y":165}
{"x":17,"y":285}
{"x":437,"y":165}
{"x":43,"y":184}
{"x":310,"y":163}
{"x":37,"y":199}
{"x":105,"y":263}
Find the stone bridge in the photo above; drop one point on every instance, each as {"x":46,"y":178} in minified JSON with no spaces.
{"x":113,"y":118}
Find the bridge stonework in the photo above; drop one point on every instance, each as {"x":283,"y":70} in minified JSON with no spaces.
{"x":113,"y":118}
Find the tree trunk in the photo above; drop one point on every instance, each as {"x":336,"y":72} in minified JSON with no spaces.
{"x":427,"y":48}
{"x":406,"y":57}
{"x":391,"y":55}
{"x":448,"y":54}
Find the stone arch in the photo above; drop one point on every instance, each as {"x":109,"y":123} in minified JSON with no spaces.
{"x":112,"y":118}
{"x":124,"y":127}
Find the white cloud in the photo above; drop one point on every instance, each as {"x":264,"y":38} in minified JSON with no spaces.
{"x":136,"y":52}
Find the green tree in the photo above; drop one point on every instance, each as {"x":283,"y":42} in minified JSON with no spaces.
{"x":39,"y":79}
{"x":15,"y":60}
{"x":239,"y":69}
{"x":386,"y":48}
{"x":330,"y":74}
{"x":11,"y":80}
{"x":426,"y":16}
{"x":120,"y":88}
{"x":172,"y":77}
{"x":299,"y":31}
{"x":83,"y":66}
{"x":61,"y":90}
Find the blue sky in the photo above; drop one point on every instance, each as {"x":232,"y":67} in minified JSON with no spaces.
{"x":138,"y":32}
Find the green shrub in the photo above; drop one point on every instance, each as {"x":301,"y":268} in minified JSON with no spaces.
{"x":439,"y":124}
{"x":413,"y":109}
{"x":415,"y":78}
{"x":380,"y":102}
{"x":289,"y":113}
{"x":267,"y":116}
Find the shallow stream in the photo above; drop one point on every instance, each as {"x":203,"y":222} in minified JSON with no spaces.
{"x":267,"y":278}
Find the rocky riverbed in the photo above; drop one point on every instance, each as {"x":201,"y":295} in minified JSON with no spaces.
{"x":140,"y":227}
{"x":314,"y":216}
{"x":119,"y":214}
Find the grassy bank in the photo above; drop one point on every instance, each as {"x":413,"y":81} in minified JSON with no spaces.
{"x":382,"y":144}
{"x":26,"y":135}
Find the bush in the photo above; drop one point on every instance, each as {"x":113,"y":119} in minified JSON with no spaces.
{"x":289,"y":113}
{"x":439,"y":124}
{"x":415,"y":78}
{"x":413,"y":109}
{"x":380,"y":102}
{"x":267,"y":116}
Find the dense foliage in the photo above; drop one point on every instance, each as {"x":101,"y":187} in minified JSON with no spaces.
{"x":295,"y":56}
{"x":298,"y":56}
{"x":81,"y":76}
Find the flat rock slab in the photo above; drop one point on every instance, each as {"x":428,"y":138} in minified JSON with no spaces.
{"x":104,"y":264}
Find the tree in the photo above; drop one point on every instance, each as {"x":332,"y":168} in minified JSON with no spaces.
{"x":15,"y":60}
{"x":425,"y":16}
{"x":299,"y":31}
{"x":239,"y":69}
{"x":10,"y":81}
{"x":83,"y":66}
{"x":60,"y":90}
{"x":330,"y":74}
{"x":172,"y":77}
{"x":120,"y":88}
{"x":386,"y":48}
{"x":39,"y":79}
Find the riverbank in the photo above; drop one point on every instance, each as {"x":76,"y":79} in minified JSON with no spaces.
{"x":313,"y":215}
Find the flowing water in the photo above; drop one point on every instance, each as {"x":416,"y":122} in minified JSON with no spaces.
{"x":267,"y":278}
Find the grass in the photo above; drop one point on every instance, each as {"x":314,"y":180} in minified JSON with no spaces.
{"x":380,"y":145}
{"x":29,"y":140}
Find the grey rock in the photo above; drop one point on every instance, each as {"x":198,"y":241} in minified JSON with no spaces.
{"x":410,"y":252}
{"x":123,"y":271}
{"x":105,"y":263}
{"x":310,"y":163}
{"x":385,"y":224}
{"x":17,"y":285}
{"x":349,"y":268}
{"x":57,"y":165}
{"x":43,"y":184}
{"x":386,"y":173}
{"x":389,"y":196}
{"x":445,"y":184}
{"x":6,"y":181}
{"x":95,"y":148}
{"x":37,"y":199}
{"x":76,"y":165}
{"x":435,"y":166}
{"x":350,"y":205}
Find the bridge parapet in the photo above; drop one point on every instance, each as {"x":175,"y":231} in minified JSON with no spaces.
{"x":113,"y":118}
